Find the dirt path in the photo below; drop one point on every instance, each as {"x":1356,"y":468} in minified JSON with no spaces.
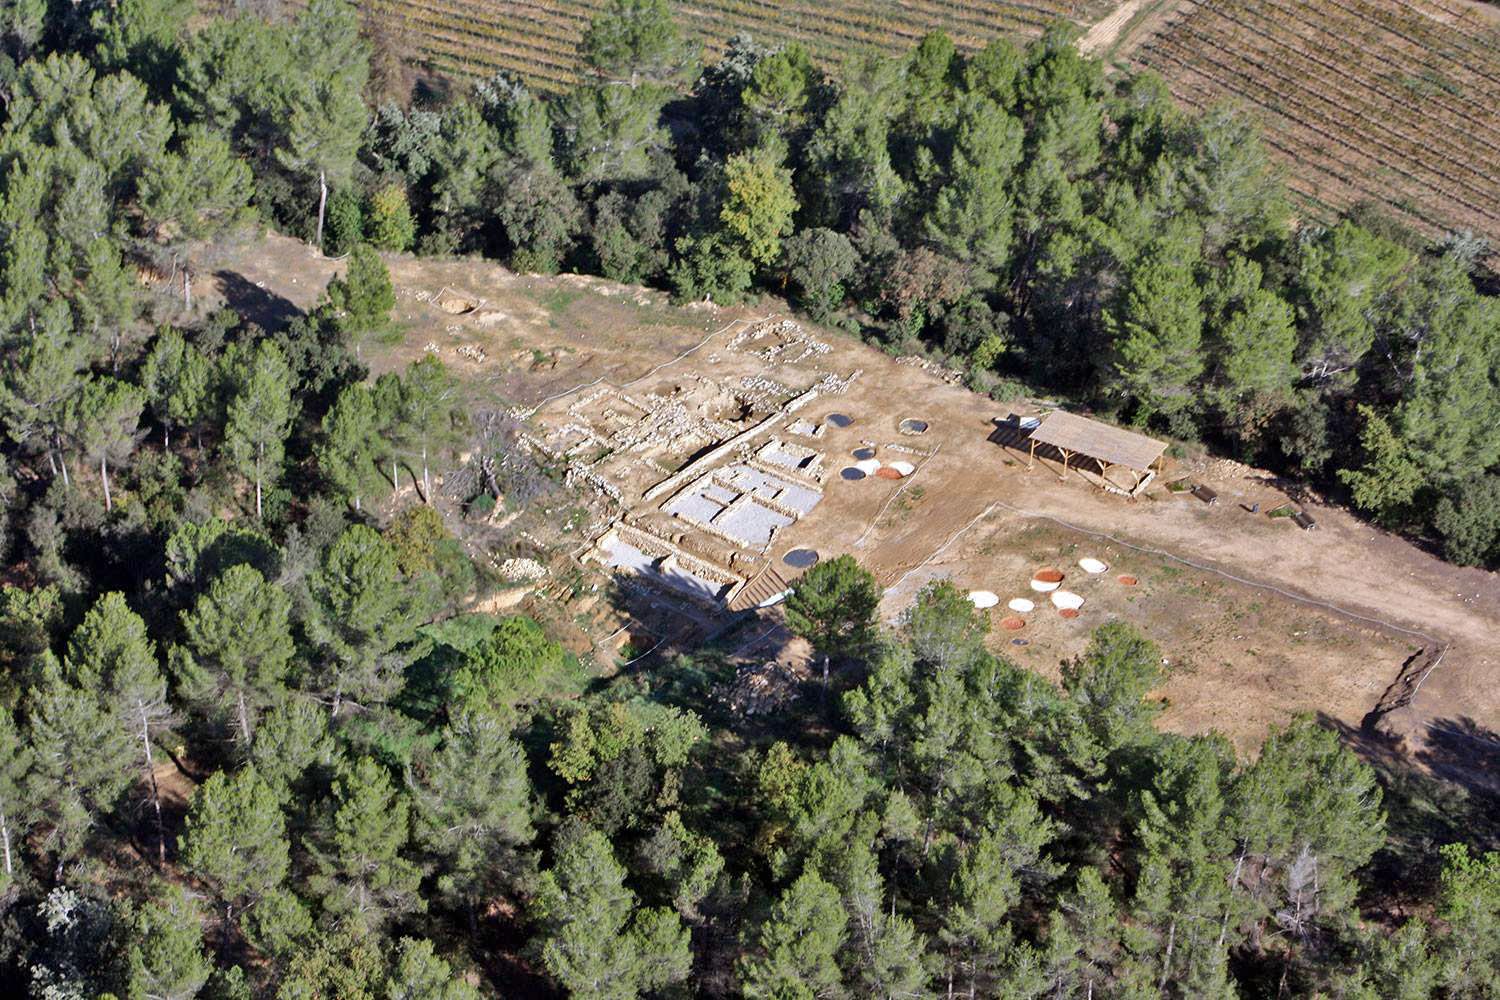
{"x":1103,"y":34}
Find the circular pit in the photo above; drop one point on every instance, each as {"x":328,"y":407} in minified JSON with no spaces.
{"x":801,"y":558}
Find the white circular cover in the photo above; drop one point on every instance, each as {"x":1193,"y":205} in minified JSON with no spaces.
{"x":1092,"y":565}
{"x":1042,"y":586}
{"x":1022,"y":605}
{"x":905,"y":468}
{"x":868,"y":466}
{"x":983,"y":598}
{"x":1067,"y":599}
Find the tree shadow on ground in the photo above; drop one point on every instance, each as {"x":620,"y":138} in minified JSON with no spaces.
{"x":1446,"y":792}
{"x":264,"y":308}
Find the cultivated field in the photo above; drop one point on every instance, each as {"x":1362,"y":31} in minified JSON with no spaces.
{"x":1256,"y":619}
{"x":538,"y":39}
{"x":1395,"y":102}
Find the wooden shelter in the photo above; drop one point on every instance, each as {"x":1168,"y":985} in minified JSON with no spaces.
{"x":1110,"y":447}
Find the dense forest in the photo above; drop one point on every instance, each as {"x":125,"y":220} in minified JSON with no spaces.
{"x":255,"y":743}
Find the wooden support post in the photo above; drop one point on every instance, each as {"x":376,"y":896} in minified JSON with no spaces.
{"x":1066,"y":456}
{"x":1031,"y":459}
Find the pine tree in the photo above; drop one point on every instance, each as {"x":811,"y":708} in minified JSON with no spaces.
{"x":346,"y":452}
{"x":885,"y":955}
{"x":1252,"y":338}
{"x":473,"y":809}
{"x":103,"y":418}
{"x":237,"y":646}
{"x":364,"y":612}
{"x":833,"y":606}
{"x":291,"y":738}
{"x":798,"y":946}
{"x":1156,"y":328}
{"x":234,"y":839}
{"x":41,"y":378}
{"x":1109,"y":683}
{"x":15,"y":810}
{"x":259,"y":418}
{"x":986,"y":887}
{"x":364,"y":297}
{"x":419,"y":974}
{"x":326,"y":114}
{"x":84,"y":761}
{"x":111,"y":655}
{"x":428,"y":394}
{"x":970,"y":219}
{"x":595,"y":941}
{"x":1469,"y":903}
{"x":165,"y":959}
{"x":1388,"y":478}
{"x":943,"y":629}
{"x":360,"y":872}
{"x":176,"y":378}
{"x":1306,"y":815}
{"x":1183,"y":890}
{"x":197,"y":192}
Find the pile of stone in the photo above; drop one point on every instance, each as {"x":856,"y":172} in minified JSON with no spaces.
{"x":759,"y":689}
{"x":522,"y":570}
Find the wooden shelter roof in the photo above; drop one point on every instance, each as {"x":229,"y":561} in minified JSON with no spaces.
{"x":1106,"y":442}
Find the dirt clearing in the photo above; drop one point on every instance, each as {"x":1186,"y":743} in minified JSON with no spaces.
{"x":1240,"y":654}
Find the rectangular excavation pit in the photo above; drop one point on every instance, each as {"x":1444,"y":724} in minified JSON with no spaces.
{"x":696,"y":506}
{"x":671,"y":571}
{"x":750,"y":523}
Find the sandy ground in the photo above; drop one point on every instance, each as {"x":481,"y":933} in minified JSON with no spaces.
{"x":1240,"y":655}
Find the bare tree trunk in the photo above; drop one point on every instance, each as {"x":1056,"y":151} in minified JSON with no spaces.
{"x":395,"y":482}
{"x":62,"y":460}
{"x":322,"y":204}
{"x":166,"y":437}
{"x":161,"y":829}
{"x":426,"y":478}
{"x":1166,"y":961}
{"x":1239,"y":864}
{"x":244,"y":719}
{"x":338,"y":700}
{"x":187,"y":288}
{"x":104,"y":478}
{"x":257,"y":482}
{"x":5,"y":840}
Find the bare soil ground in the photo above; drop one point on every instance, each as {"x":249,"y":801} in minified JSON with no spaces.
{"x":1316,"y":621}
